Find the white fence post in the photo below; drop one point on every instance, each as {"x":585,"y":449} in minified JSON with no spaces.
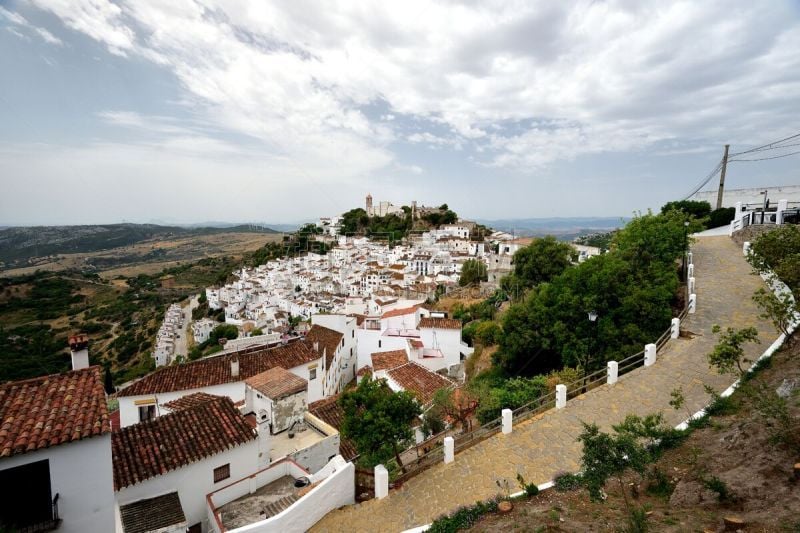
{"x":449,"y":450}
{"x":650,"y":355}
{"x":381,"y":482}
{"x":613,"y":372}
{"x":675,"y":330}
{"x":690,"y":271}
{"x":561,"y":396}
{"x":690,"y":258}
{"x":691,"y":285}
{"x":746,"y":248}
{"x":506,"y":421}
{"x":692,"y":303}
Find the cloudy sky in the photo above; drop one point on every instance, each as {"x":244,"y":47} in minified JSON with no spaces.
{"x":198,"y":110}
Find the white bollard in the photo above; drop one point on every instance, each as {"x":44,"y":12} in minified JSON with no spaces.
{"x":746,"y":248}
{"x":690,"y":258}
{"x":692,"y":303}
{"x":690,"y":271}
{"x":675,"y":330}
{"x":381,"y":482}
{"x":613,"y":372}
{"x":691,"y":285}
{"x":506,"y":421}
{"x":650,"y":355}
{"x":561,"y":396}
{"x":449,"y":447}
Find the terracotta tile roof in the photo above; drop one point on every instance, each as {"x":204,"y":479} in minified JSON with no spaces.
{"x":277,"y":383}
{"x":416,"y":343}
{"x":217,"y":370}
{"x":152,"y":514}
{"x":388,"y":360}
{"x":439,"y":323}
{"x":158,"y":446}
{"x":364,"y":370}
{"x":330,"y":412}
{"x":419,"y":381}
{"x":190,"y":400}
{"x":51,"y":410}
{"x":327,"y":338}
{"x":400,"y":312}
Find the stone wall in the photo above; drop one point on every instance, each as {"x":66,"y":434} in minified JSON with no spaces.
{"x":750,"y":233}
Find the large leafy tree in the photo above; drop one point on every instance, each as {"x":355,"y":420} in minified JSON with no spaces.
{"x":540,"y":261}
{"x":378,"y":420}
{"x":472,"y":271}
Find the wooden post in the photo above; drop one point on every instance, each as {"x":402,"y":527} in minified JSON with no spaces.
{"x":722,"y":176}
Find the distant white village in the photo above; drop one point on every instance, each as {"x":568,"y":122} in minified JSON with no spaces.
{"x":247,"y":439}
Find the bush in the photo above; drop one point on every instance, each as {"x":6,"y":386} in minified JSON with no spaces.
{"x":530,"y":489}
{"x":659,"y":484}
{"x":565,"y":482}
{"x":488,"y":333}
{"x":721,"y":217}
{"x":463,"y":518}
{"x":715,"y":484}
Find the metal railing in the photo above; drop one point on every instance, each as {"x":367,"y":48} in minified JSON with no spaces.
{"x":540,"y":405}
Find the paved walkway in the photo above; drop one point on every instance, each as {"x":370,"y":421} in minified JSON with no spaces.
{"x":542,"y":446}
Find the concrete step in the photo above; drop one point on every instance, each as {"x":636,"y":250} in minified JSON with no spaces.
{"x":271,"y":509}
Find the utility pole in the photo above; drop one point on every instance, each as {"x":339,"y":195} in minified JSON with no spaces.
{"x":722,"y":176}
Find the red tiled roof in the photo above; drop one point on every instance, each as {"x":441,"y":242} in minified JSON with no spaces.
{"x":217,"y":370}
{"x":190,"y":400}
{"x":419,"y":381}
{"x":439,"y":323}
{"x":416,"y":343}
{"x":277,"y":383}
{"x":330,"y":412}
{"x":364,"y":370}
{"x":388,"y":360}
{"x":327,"y":338}
{"x":51,"y":410}
{"x":400,"y":312}
{"x":158,"y":446}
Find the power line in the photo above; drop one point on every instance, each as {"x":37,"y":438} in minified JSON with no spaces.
{"x":705,"y":180}
{"x":766,"y":158}
{"x":768,"y":146}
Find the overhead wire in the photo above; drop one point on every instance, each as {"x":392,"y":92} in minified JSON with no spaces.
{"x":763,"y":158}
{"x":768,"y":146}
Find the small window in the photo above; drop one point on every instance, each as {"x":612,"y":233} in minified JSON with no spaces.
{"x":147,"y":412}
{"x":312,"y":373}
{"x":379,"y":344}
{"x":222,"y":472}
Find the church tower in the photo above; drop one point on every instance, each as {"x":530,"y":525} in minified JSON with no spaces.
{"x":369,"y":205}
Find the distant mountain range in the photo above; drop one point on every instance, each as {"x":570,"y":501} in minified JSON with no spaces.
{"x":17,"y":244}
{"x":563,"y":228}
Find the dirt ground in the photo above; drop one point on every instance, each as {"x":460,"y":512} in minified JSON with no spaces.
{"x":175,"y":251}
{"x":736,"y":449}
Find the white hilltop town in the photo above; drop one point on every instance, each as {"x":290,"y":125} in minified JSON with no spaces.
{"x":247,"y":439}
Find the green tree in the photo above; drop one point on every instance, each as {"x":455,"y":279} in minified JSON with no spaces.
{"x":378,"y":420}
{"x":781,"y":310}
{"x":542,"y":260}
{"x":228,"y":331}
{"x":488,"y":333}
{"x":472,"y":271}
{"x":696,"y":209}
{"x":729,"y":350}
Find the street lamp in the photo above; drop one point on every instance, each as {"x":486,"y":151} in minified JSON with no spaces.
{"x":592,"y":319}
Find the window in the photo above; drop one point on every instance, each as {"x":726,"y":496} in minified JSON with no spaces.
{"x":147,"y":412}
{"x":222,"y":472}
{"x":312,"y":373}
{"x":379,"y":344}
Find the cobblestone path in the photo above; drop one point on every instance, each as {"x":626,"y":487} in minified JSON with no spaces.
{"x":544,"y":445}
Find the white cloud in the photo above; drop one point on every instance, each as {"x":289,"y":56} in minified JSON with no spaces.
{"x":524,"y":84}
{"x":19,"y":20}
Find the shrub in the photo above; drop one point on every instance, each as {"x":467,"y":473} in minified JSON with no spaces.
{"x":715,"y":484}
{"x":463,"y":518}
{"x":530,"y":489}
{"x":721,"y":217}
{"x":565,"y":482}
{"x":659,"y":484}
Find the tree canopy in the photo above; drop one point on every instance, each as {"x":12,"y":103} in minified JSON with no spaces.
{"x":539,"y":262}
{"x":378,"y":420}
{"x":472,"y":271}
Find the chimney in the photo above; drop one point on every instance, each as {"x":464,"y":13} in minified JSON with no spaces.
{"x":79,"y":348}
{"x":316,"y":346}
{"x":235,"y":367}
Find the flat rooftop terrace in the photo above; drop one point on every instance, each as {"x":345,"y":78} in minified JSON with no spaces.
{"x":282,"y":445}
{"x":258,"y":506}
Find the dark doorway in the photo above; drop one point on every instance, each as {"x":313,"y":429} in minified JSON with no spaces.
{"x":26,"y":500}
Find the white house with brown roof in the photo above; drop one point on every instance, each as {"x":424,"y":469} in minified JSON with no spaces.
{"x":191,"y":451}
{"x":221,"y":375}
{"x":55,"y":453}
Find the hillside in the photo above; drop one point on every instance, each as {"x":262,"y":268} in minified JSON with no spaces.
{"x":22,"y":246}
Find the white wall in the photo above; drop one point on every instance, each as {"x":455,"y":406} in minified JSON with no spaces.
{"x":368,"y":343}
{"x":449,"y":342}
{"x":193,"y":482}
{"x":337,"y":490}
{"x":81,"y":474}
